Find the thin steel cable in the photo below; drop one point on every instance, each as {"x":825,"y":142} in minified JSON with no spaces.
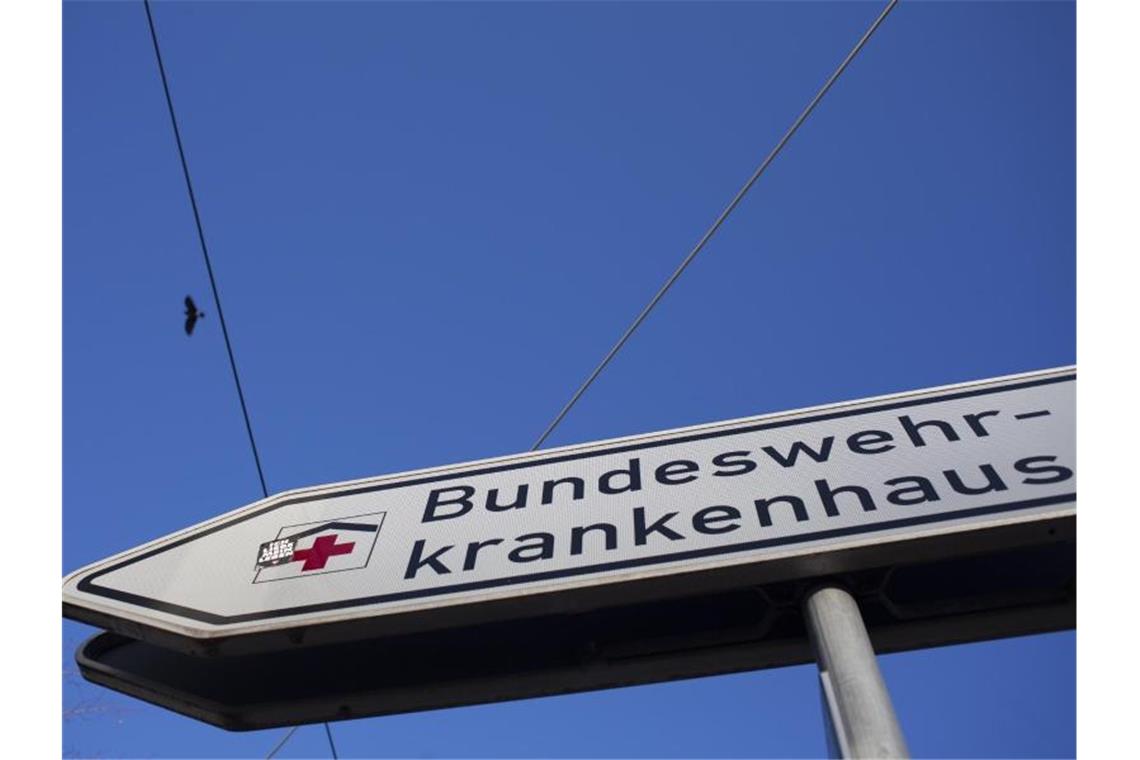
{"x":217,"y":298}
{"x":716,"y":225}
{"x":281,"y":743}
{"x":202,"y":241}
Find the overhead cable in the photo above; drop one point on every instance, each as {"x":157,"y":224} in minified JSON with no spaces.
{"x":716,"y":224}
{"x":217,"y":299}
{"x":205,"y":251}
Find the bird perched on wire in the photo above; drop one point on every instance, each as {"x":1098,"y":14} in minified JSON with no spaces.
{"x":192,"y":315}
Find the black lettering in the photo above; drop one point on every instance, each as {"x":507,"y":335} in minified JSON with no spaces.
{"x":418,"y":560}
{"x":434,"y":501}
{"x":548,"y":488}
{"x":975,"y":423}
{"x":733,"y":459}
{"x":861,"y":442}
{"x":912,"y":428}
{"x":493,"y":504}
{"x":577,"y":533}
{"x":993,"y":481}
{"x":641,"y":531}
{"x":922,"y":488}
{"x":1032,"y":466}
{"x":794,"y":453}
{"x":706,"y":520}
{"x":530,"y":552}
{"x":827,"y":494}
{"x":473,"y":551}
{"x":764,"y":508}
{"x":632,"y":475}
{"x":675,"y":473}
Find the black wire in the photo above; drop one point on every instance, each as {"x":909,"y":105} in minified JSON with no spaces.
{"x":281,"y":743}
{"x":217,"y":298}
{"x":205,"y":252}
{"x":715,"y":225}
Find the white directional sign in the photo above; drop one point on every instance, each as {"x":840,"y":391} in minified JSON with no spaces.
{"x":667,"y":511}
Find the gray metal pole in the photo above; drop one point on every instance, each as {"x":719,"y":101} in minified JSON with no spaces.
{"x":856,"y":700}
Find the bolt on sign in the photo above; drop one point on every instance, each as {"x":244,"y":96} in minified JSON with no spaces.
{"x":778,"y":497}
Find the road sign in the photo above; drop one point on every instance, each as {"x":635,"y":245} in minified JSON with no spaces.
{"x":912,"y":477}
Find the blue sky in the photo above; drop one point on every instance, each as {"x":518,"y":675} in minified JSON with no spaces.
{"x":428,"y":222}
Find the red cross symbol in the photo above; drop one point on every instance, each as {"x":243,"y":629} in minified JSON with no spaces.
{"x":318,"y":554}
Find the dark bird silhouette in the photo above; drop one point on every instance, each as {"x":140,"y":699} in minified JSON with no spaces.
{"x":192,"y":315}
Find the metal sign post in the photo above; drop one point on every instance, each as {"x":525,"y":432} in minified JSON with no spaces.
{"x":859,"y":713}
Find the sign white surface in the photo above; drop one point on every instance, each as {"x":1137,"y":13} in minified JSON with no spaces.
{"x":809,"y":482}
